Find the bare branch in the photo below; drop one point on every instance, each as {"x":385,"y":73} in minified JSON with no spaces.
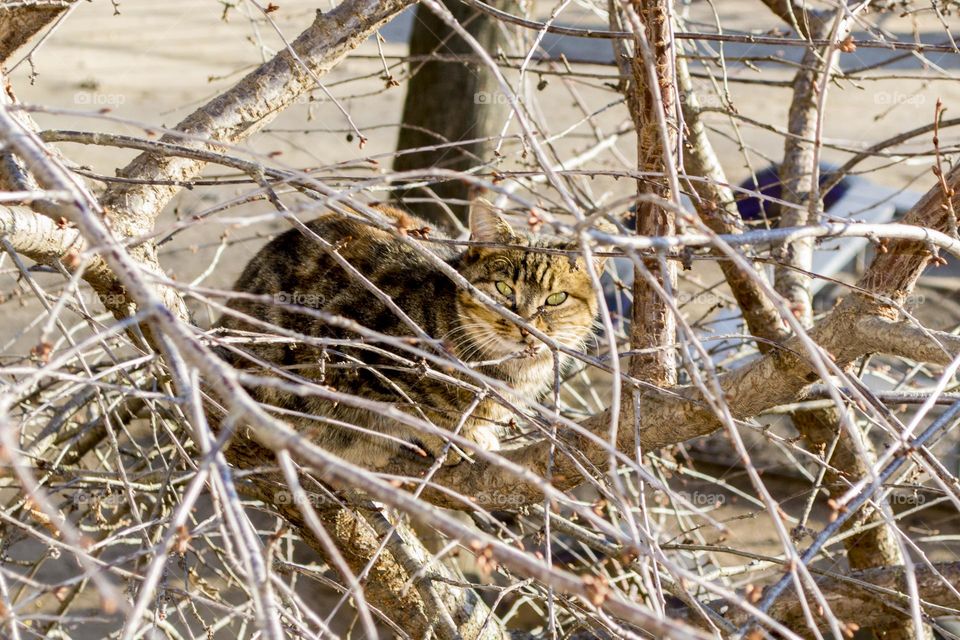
{"x":665,"y":419}
{"x":38,"y":237}
{"x":651,"y":97}
{"x":244,"y":109}
{"x":800,"y":172}
{"x":908,"y":340}
{"x":717,"y":209}
{"x":875,"y":597}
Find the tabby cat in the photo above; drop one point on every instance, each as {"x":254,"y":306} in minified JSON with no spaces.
{"x":551,"y":290}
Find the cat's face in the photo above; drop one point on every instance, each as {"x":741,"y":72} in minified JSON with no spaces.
{"x":551,"y":291}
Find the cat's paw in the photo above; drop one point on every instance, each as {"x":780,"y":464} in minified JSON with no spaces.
{"x":485,"y":436}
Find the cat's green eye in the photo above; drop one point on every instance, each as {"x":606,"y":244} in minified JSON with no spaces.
{"x":504,"y":288}
{"x":557,"y":298}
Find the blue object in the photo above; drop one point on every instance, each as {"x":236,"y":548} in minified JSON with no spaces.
{"x":751,"y":209}
{"x":768,"y":183}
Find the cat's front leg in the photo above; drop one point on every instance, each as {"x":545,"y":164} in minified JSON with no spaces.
{"x":484,"y":435}
{"x":487,"y":437}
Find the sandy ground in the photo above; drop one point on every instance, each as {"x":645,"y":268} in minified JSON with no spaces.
{"x":157,"y":61}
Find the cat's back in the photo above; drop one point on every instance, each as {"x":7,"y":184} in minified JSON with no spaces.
{"x":298,"y":268}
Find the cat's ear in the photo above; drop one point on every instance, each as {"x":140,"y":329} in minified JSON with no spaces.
{"x":604,"y":225}
{"x":486,"y":225}
{"x":599,"y":263}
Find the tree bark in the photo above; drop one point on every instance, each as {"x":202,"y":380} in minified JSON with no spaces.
{"x":20,"y":21}
{"x":651,"y":103}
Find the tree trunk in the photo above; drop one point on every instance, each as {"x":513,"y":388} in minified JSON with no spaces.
{"x":653,"y":325}
{"x":449,"y":101}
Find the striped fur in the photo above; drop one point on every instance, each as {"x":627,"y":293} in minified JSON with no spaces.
{"x":297,"y":271}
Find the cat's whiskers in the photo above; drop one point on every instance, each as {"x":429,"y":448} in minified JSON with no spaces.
{"x":465,"y":331}
{"x":479,"y":346}
{"x":565,"y":336}
{"x":508,"y":348}
{"x":463,"y":328}
{"x":474,"y":339}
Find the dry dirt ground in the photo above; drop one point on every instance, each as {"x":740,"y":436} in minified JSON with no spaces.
{"x":154,"y":62}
